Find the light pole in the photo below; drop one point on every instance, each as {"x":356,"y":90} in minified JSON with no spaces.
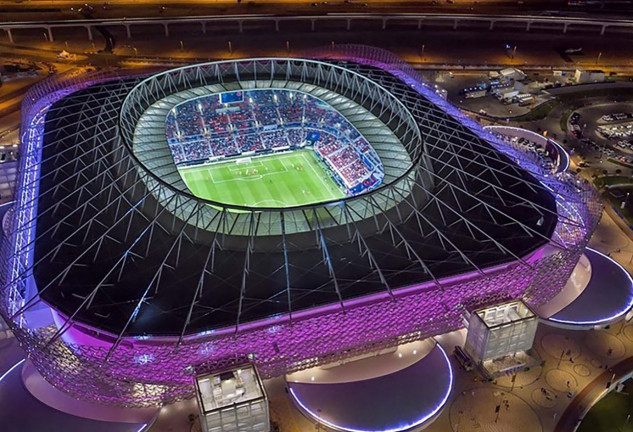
{"x":598,"y":58}
{"x":562,"y":353}
{"x":422,"y":52}
{"x":514,"y":378}
{"x":230,"y":47}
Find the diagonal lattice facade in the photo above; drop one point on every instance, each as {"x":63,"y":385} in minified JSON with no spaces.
{"x":464,"y":225}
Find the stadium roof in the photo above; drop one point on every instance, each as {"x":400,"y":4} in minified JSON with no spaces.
{"x":120,"y":248}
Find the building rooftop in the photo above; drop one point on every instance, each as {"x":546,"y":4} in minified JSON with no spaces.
{"x":505,"y":313}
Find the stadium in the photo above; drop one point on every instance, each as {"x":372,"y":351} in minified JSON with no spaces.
{"x":280,"y":211}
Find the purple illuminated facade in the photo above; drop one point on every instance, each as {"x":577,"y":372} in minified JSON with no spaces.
{"x":94,"y":364}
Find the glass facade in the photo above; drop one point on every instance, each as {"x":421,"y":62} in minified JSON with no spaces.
{"x":232,"y":401}
{"x":500,"y":330}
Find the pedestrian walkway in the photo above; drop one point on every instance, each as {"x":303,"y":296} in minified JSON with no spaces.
{"x":488,"y":409}
{"x":591,"y":394}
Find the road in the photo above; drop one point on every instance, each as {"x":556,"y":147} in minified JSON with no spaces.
{"x":429,"y":47}
{"x":10,"y":10}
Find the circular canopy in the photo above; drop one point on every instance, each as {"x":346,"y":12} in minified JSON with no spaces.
{"x":400,"y":401}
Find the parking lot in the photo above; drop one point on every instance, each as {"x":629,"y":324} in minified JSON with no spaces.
{"x":605,"y":124}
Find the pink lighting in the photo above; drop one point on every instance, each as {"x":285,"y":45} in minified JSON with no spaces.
{"x":151,"y":371}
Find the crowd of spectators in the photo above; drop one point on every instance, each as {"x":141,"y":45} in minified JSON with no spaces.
{"x":260,"y":120}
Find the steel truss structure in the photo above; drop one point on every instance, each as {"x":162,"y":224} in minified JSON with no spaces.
{"x":150,"y":285}
{"x":382,"y":119}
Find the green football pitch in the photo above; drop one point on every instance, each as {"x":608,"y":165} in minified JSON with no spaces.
{"x":282,"y":180}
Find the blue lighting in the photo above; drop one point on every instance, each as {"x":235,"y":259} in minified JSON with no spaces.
{"x":143,"y":428}
{"x":399,"y":428}
{"x":613,"y":317}
{"x":11,"y":369}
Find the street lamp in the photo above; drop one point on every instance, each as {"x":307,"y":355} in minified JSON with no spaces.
{"x":560,"y":358}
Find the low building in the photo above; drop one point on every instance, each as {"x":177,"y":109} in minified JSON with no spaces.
{"x":512,"y":74}
{"x":525,"y":85}
{"x":589,"y":76}
{"x":524,"y":99}
{"x":232,"y":401}
{"x":501,"y":330}
{"x":507,"y":95}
